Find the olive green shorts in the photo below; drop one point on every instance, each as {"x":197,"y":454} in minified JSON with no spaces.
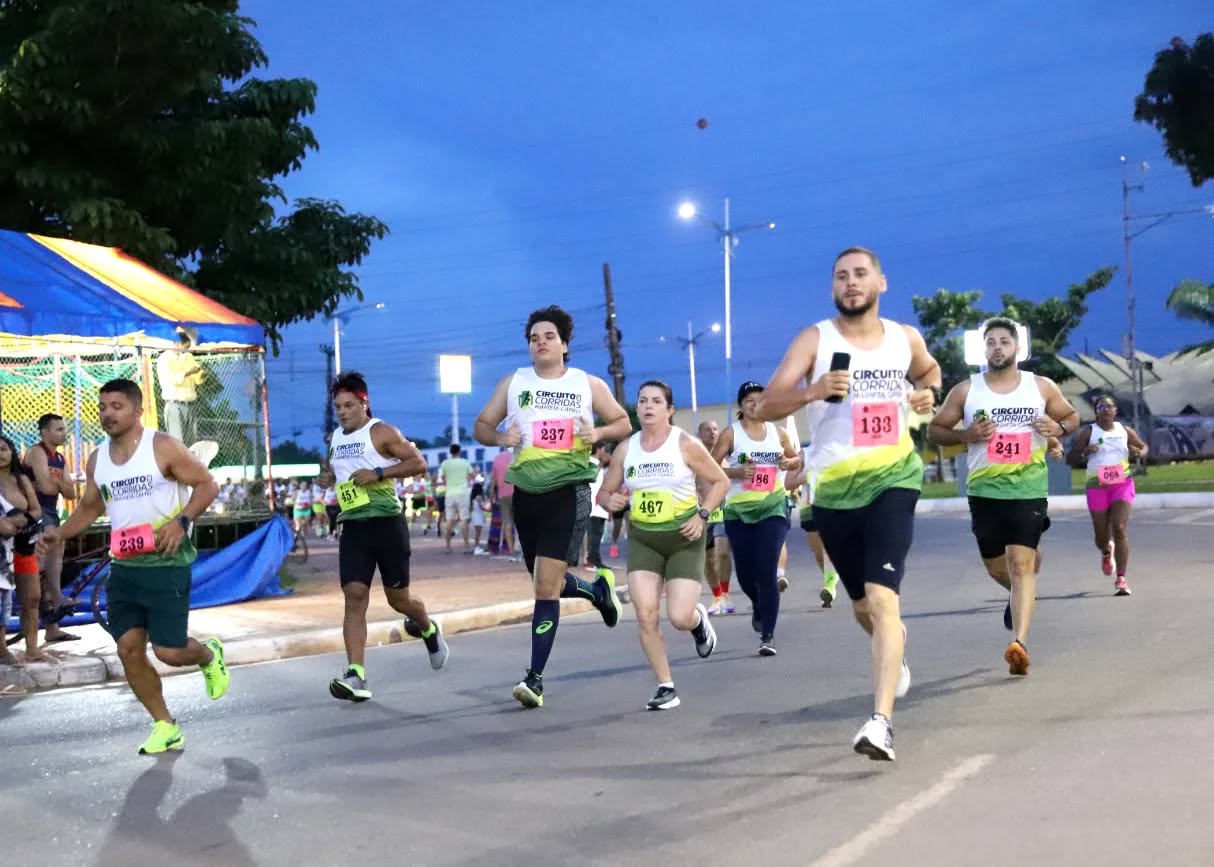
{"x":666,"y":553}
{"x":155,"y":598}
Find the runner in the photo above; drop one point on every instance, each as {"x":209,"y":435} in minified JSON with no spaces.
{"x":457,"y":474}
{"x":153,"y":489}
{"x":717,"y":563}
{"x":867,"y":471}
{"x":320,"y":520}
{"x":756,"y":511}
{"x":1007,"y":414}
{"x":48,"y":468}
{"x":1105,"y":449}
{"x":303,"y":506}
{"x":830,"y":578}
{"x":19,"y":503}
{"x":664,"y":468}
{"x":503,"y":494}
{"x":548,"y":410}
{"x":365,"y":456}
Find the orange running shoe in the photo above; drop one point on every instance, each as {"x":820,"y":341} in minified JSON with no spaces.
{"x":1017,"y":658}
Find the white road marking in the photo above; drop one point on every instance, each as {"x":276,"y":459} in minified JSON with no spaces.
{"x":857,"y":847}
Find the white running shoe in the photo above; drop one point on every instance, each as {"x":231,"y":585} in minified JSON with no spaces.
{"x":875,"y":739}
{"x":904,"y":680}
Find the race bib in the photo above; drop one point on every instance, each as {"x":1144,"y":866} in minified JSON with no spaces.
{"x":652,"y":507}
{"x":132,"y":542}
{"x":1114,"y":474}
{"x":1010,"y":448}
{"x":764,"y":479}
{"x":552,"y":434}
{"x":351,"y":496}
{"x":875,"y":424}
{"x":717,"y":516}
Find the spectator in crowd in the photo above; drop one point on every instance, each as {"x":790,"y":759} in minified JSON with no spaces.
{"x":19,"y":503}
{"x":457,"y":474}
{"x":180,"y":376}
{"x":48,"y":468}
{"x":601,"y":455}
{"x":503,"y":495}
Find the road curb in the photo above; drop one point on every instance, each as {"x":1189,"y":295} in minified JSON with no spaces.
{"x":1078,"y":503}
{"x":103,"y":667}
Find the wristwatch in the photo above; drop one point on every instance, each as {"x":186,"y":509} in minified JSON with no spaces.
{"x":705,"y":514}
{"x":937,"y":393}
{"x":185,"y":522}
{"x":379,"y":473}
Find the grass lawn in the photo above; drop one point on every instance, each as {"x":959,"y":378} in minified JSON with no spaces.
{"x":1170,"y":479}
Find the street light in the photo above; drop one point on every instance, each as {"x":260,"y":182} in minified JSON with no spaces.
{"x":1128,"y":235}
{"x":690,"y":343}
{"x":727,"y":236}
{"x":341,"y":318}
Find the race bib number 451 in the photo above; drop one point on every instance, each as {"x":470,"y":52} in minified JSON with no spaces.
{"x":132,"y":542}
{"x":351,"y":496}
{"x":553,"y":434}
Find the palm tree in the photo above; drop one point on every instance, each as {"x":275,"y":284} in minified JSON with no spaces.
{"x":1193,"y":300}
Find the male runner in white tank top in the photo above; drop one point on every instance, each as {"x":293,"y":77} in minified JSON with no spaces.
{"x":868,"y":475}
{"x":153,"y":489}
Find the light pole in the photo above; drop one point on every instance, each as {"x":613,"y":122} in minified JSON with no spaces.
{"x":728,"y":238}
{"x":689,"y":343}
{"x":341,"y":318}
{"x":1128,"y":235}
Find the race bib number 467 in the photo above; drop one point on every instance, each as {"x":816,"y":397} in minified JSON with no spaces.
{"x":651,"y":507}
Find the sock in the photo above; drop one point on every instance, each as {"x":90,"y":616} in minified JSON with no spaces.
{"x":357,"y":669}
{"x":698,"y":629}
{"x":429,"y":632}
{"x":725,"y":587}
{"x":1120,"y":573}
{"x":543,"y":631}
{"x":669,"y":684}
{"x":576,"y":588}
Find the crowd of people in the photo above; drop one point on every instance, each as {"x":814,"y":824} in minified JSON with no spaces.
{"x":573,"y":471}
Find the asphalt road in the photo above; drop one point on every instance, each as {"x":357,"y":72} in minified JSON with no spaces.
{"x":1100,"y":756}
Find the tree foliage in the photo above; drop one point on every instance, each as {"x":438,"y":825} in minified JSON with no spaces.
{"x":137,"y":124}
{"x":1194,"y":300}
{"x":291,"y":452}
{"x":945,"y":316}
{"x":1178,"y":100}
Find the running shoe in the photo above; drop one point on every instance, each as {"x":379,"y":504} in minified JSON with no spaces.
{"x":827,"y":593}
{"x":904,"y":680}
{"x":717,"y":606}
{"x":1017,"y":658}
{"x":767,"y":646}
{"x":606,"y":601}
{"x":165,"y":736}
{"x":436,"y":644}
{"x":530,"y":690}
{"x":1106,"y":560}
{"x":875,"y":739}
{"x":215,"y":673}
{"x":782,"y":582}
{"x":1120,"y":585}
{"x":349,"y":687}
{"x":705,"y":636}
{"x":664,"y":699}
{"x":728,"y":606}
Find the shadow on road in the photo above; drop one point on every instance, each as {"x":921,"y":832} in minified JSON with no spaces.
{"x":200,"y":830}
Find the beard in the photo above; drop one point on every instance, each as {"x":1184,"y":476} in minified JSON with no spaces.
{"x":1002,"y":364}
{"x":855,"y":312}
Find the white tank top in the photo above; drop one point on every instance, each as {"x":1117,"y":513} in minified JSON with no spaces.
{"x":548,"y":413}
{"x":663,"y":487}
{"x":137,"y":493}
{"x":1011,"y":465}
{"x":1112,"y":450}
{"x":861,"y":446}
{"x":349,"y":452}
{"x":762,"y":497}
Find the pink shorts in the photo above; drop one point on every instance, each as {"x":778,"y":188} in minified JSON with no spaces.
{"x":1101,"y":497}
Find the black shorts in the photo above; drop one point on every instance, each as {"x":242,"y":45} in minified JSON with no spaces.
{"x":869,"y":545}
{"x":807,"y":522}
{"x":999,"y":523}
{"x":368,"y":543}
{"x":552,"y":525}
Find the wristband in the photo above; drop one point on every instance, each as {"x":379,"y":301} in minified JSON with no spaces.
{"x":379,"y":473}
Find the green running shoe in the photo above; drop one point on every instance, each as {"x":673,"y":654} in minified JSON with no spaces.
{"x":607,"y":602}
{"x":215,"y":673}
{"x":165,"y":736}
{"x":350,"y":687}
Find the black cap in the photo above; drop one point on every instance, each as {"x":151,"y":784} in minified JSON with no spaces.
{"x":749,"y":388}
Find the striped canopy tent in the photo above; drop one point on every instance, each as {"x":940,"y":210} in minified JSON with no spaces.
{"x":57,"y":291}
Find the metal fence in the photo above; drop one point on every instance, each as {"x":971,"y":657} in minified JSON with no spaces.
{"x":229,"y":410}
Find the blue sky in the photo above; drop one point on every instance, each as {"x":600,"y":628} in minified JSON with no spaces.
{"x":515,"y":148}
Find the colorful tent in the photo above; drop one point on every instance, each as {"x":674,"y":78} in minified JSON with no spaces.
{"x":51,"y":288}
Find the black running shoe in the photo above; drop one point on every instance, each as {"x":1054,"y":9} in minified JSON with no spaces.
{"x":664,"y":699}
{"x":606,"y":600}
{"x":767,"y":646}
{"x":530,"y":690}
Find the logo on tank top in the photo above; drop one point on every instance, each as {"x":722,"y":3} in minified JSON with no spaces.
{"x":133,"y":488}
{"x":760,"y":458}
{"x":551,"y":400}
{"x":524,"y":400}
{"x":347,"y":451}
{"x":1013,"y":416}
{"x":879,"y":384}
{"x":652,"y":470}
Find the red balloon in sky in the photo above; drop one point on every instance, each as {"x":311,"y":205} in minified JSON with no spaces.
{"x":702,"y":123}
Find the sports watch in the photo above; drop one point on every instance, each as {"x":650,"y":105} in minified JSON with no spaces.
{"x":705,"y":514}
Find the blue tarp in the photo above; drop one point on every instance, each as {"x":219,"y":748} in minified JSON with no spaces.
{"x":247,"y":569}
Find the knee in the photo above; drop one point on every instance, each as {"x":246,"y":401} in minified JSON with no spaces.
{"x":356,"y":595}
{"x":860,"y":611}
{"x":1119,"y":531}
{"x":647,"y":618}
{"x":175,"y":656}
{"x":132,"y":652}
{"x":882,"y":605}
{"x":684,"y":621}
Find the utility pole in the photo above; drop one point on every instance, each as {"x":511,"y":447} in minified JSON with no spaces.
{"x":330,"y":422}
{"x":616,"y":369}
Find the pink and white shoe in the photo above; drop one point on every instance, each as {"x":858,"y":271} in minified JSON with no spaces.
{"x":1121,"y":587}
{"x":1106,"y":561}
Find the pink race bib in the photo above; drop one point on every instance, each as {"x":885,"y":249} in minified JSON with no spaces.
{"x":1114,"y":474}
{"x":132,"y":542}
{"x":764,"y":479}
{"x":875,"y":424}
{"x":552,"y":434}
{"x":1010,"y":448}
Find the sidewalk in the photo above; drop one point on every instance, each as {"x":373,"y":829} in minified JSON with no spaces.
{"x":464,"y":591}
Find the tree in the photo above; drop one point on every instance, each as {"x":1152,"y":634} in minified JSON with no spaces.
{"x":138,"y":125}
{"x":1178,"y":100}
{"x":291,"y":452}
{"x":1192,"y":299}
{"x":944,"y":316}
